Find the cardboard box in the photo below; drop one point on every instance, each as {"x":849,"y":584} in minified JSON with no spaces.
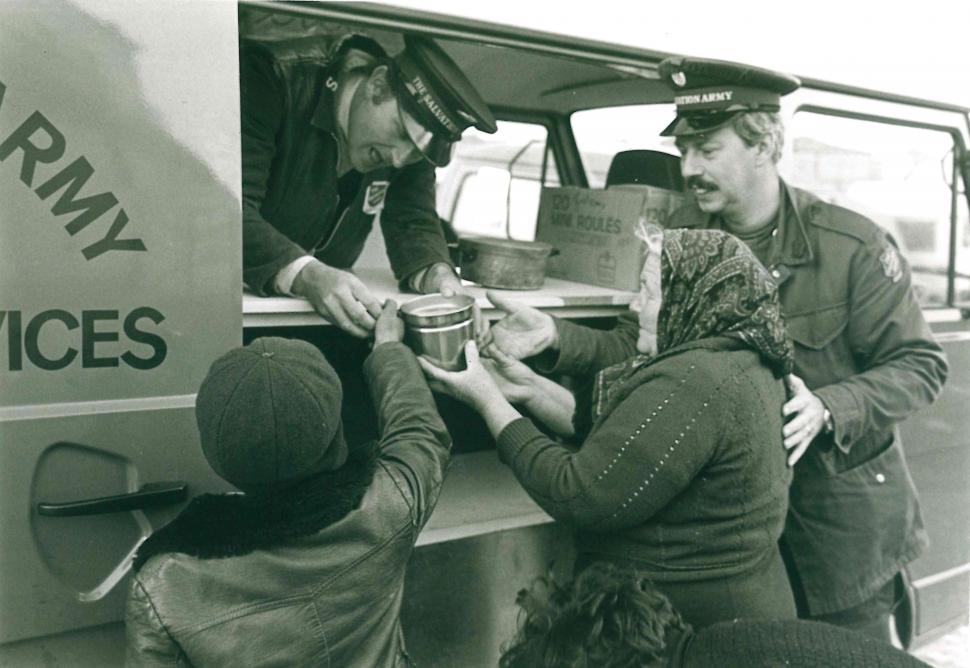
{"x":595,"y":231}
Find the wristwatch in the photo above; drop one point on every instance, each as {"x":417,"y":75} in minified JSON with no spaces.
{"x":827,"y":425}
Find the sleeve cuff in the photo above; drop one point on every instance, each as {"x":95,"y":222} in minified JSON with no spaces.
{"x":514,"y":437}
{"x":283,"y":282}
{"x":415,"y":279}
{"x":844,"y":409}
{"x":560,"y":361}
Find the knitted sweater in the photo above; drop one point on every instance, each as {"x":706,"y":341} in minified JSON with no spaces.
{"x":685,"y":478}
{"x":788,"y":644}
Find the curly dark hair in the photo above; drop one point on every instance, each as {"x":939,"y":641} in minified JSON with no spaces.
{"x":608,"y":617}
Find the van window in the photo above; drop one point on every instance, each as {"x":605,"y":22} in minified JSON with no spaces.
{"x":898,"y":176}
{"x":491,"y":186}
{"x":602,"y":133}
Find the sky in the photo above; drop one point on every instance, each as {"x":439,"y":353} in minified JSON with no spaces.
{"x":917,"y":48}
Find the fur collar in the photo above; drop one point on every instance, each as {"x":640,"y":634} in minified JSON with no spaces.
{"x":215,"y":526}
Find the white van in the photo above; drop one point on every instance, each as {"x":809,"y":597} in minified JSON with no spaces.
{"x":120,"y":281}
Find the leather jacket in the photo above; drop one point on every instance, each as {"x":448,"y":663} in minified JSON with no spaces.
{"x":332,"y":598}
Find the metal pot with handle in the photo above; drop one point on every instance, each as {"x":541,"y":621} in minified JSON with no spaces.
{"x":504,"y":263}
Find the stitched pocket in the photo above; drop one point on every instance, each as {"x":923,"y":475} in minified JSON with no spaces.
{"x":819,"y":328}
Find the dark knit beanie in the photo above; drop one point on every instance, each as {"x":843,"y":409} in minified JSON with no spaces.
{"x":269,"y":415}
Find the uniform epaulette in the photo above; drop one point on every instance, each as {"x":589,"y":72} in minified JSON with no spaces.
{"x":845,"y":221}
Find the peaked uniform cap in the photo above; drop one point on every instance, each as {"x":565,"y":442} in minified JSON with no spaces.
{"x":269,"y":414}
{"x":708,"y":93}
{"x":432,"y":89}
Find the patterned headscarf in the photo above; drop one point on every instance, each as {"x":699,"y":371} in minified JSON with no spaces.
{"x":711,"y":285}
{"x":714,"y":286}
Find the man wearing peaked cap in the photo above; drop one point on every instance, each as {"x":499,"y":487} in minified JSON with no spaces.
{"x":864,"y":356}
{"x":306,"y":566}
{"x":334,"y":133}
{"x":708,"y":93}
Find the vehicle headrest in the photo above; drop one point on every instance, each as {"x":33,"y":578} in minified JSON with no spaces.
{"x":646,"y":167}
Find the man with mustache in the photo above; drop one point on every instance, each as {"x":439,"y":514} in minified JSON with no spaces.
{"x":865,"y":358}
{"x":335,"y":133}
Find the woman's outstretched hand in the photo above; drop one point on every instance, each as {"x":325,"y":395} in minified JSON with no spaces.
{"x":515,"y":380}
{"x":475,"y":387}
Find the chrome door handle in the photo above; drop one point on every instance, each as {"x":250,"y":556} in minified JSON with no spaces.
{"x":151,"y":495}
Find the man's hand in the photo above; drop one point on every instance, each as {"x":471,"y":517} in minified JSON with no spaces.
{"x":338,"y":296}
{"x":514,"y":379}
{"x":389,"y":326}
{"x":441,"y":278}
{"x":808,"y":420}
{"x":523,"y":332}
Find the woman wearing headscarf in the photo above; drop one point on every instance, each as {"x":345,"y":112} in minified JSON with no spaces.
{"x":681,"y":473}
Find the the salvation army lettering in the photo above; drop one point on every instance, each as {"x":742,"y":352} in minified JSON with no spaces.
{"x":93,"y":336}
{"x":36,"y":141}
{"x":704,"y":98}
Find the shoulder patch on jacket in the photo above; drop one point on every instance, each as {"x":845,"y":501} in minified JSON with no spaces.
{"x":892,"y":264}
{"x":375,"y":196}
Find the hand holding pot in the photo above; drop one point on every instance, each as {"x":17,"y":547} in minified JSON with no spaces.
{"x":523,"y":332}
{"x":339,"y":296}
{"x":473,"y":386}
{"x":389,"y":326}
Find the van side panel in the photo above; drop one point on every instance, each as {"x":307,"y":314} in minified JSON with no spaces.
{"x":120,"y":249}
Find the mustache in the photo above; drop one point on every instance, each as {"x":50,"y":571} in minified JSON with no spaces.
{"x":698,"y":182}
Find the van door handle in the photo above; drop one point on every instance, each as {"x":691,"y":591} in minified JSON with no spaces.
{"x":151,"y":495}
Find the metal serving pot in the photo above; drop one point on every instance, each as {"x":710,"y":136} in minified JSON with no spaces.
{"x":445,"y":346}
{"x":436,"y":310}
{"x":438,"y":327}
{"x":504,"y":263}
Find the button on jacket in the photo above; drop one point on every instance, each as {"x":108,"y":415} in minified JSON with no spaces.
{"x":862,"y":346}
{"x":293,"y":202}
{"x":330,"y":599}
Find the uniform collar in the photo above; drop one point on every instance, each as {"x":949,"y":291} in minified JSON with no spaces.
{"x":794,"y":245}
{"x":325,"y":114}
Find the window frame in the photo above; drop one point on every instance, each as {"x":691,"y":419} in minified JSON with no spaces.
{"x":961,"y":167}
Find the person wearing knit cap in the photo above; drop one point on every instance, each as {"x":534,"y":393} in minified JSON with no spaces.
{"x":305,"y":564}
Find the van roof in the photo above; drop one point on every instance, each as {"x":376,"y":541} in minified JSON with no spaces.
{"x":541,"y":71}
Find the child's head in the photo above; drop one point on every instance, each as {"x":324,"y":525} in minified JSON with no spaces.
{"x":606,"y":618}
{"x":269,"y":415}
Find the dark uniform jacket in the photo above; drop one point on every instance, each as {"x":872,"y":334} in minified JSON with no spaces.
{"x":332,"y":598}
{"x":293,"y":202}
{"x":863,"y":347}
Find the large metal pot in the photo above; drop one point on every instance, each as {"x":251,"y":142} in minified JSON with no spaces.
{"x":438,"y":327}
{"x":504,"y":263}
{"x":445,"y":346}
{"x":436,"y":310}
